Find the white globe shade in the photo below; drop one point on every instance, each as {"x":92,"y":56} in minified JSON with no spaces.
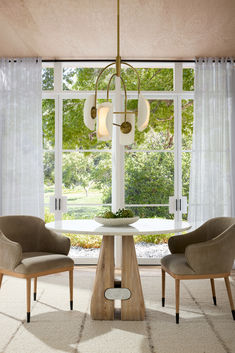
{"x":88,"y":121}
{"x":143,"y":113}
{"x":104,"y":121}
{"x":128,"y":139}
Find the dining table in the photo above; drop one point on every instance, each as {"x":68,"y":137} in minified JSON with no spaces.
{"x":107,"y":289}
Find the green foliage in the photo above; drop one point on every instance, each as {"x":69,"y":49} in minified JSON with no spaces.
{"x":48,"y":123}
{"x":48,"y":78}
{"x":187,"y":123}
{"x":85,"y":78}
{"x":155,"y":239}
{"x":49,"y":168}
{"x":121,"y":213}
{"x":85,"y":241}
{"x":77,"y":170}
{"x":188,"y":79}
{"x":49,"y":217}
{"x":150,"y":79}
{"x":149,"y":179}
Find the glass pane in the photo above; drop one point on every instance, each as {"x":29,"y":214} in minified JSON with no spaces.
{"x":75,"y":134}
{"x":49,"y":217}
{"x":149,"y":178}
{"x":79,"y":79}
{"x":187,"y":123}
{"x":152,"y":246}
{"x":48,"y":123}
{"x":150,"y":79}
{"x":49,"y":175}
{"x":83,"y":245}
{"x":151,"y":212}
{"x":48,"y":78}
{"x":186,"y":164}
{"x":87,"y":180}
{"x":82,"y":212}
{"x":159,"y":135}
{"x":188,"y":79}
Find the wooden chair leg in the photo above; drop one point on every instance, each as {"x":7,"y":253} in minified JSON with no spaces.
{"x":35,"y":289}
{"x":177,"y":299}
{"x":213,"y":290}
{"x":227,"y":283}
{"x":1,"y":277}
{"x":71,"y":288}
{"x":163,"y":286}
{"x":28,"y":285}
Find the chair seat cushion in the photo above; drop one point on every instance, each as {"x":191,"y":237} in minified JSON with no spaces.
{"x":33,"y":262}
{"x":177,"y":264}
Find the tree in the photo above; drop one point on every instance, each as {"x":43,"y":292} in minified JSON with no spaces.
{"x":77,"y":170}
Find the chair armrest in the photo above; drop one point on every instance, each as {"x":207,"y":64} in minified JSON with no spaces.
{"x":178,"y":243}
{"x":213,"y":256}
{"x":10,"y":253}
{"x":55,"y":243}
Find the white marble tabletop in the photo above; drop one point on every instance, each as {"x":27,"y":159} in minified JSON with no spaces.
{"x":144,"y":226}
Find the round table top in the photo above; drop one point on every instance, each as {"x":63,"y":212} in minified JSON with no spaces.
{"x":144,"y":226}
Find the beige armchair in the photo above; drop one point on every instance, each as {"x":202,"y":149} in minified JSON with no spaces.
{"x":29,"y":250}
{"x":206,"y":253}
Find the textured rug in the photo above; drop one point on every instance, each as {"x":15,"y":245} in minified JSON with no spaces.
{"x":203,"y":328}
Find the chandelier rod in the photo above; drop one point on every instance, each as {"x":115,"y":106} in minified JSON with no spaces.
{"x":118,"y":28}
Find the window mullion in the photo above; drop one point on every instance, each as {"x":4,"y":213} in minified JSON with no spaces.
{"x":58,"y":136}
{"x":178,"y":85}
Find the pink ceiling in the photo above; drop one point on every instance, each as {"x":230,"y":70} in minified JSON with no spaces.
{"x":86,"y":29}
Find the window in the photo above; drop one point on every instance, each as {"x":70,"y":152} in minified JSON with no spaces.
{"x":79,"y":168}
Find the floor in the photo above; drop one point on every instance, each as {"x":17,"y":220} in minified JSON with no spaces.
{"x":203,"y":328}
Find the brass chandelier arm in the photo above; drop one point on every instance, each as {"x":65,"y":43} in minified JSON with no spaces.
{"x":97,"y":80}
{"x":132,"y":112}
{"x":138,"y":77}
{"x":108,"y":87}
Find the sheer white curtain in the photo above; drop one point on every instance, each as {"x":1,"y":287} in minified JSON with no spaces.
{"x":211,"y":182}
{"x":21,"y":153}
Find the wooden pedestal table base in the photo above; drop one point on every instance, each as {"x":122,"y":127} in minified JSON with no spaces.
{"x":106,"y":289}
{"x":103,"y":308}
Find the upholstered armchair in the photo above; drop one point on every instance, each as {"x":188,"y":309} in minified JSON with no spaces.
{"x":206,"y":253}
{"x":29,"y":250}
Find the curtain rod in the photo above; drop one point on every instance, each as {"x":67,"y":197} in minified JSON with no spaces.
{"x":113,"y":60}
{"x":128,"y":60}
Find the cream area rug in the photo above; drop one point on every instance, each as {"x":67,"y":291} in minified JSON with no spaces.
{"x":203,"y":328}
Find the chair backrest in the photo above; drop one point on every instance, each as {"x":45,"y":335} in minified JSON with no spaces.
{"x":25,"y":230}
{"x":218,"y":225}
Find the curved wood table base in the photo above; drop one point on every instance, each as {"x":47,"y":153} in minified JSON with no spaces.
{"x":132,"y":309}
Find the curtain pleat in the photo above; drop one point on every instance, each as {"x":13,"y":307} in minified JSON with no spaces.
{"x":21,"y":137}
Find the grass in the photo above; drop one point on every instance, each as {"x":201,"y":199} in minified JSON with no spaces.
{"x":75,"y":196}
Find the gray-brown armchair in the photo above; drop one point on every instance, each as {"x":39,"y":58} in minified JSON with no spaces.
{"x":206,"y":253}
{"x":29,"y":250}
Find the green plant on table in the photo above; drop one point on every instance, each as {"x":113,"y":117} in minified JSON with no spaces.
{"x":121,"y":213}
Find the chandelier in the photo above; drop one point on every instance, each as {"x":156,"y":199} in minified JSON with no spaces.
{"x":100,"y":116}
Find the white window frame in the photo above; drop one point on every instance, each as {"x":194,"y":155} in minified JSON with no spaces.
{"x":117,"y":151}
